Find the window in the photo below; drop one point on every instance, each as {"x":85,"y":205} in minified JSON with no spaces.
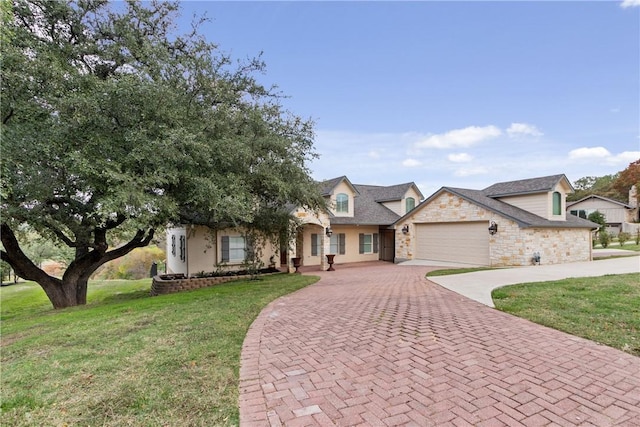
{"x":557,"y":203}
{"x":368,"y":243}
{"x":410,"y":203}
{"x":337,"y":244}
{"x":582,"y":213}
{"x":342,"y":203}
{"x":183,"y":248}
{"x":233,"y":249}
{"x":315,"y":245}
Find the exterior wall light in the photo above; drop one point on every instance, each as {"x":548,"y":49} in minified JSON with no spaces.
{"x":493,"y":228}
{"x":405,"y":229}
{"x":328,"y":231}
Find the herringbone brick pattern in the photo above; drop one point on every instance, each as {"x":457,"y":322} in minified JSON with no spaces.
{"x":379,"y":345}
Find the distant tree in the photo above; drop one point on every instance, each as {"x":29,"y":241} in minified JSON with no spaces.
{"x":113,"y":126}
{"x":589,"y":185}
{"x":598,"y":218}
{"x":627,"y":179}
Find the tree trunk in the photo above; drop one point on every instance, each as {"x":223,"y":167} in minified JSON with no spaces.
{"x":63,"y":294}
{"x":71,"y":290}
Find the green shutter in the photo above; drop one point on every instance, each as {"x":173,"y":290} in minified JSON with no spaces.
{"x":225,"y":248}
{"x":314,"y":245}
{"x":341,"y":243}
{"x":375,"y":243}
{"x":361,"y":242}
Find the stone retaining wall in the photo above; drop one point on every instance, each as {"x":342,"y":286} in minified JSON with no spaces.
{"x":161,"y":286}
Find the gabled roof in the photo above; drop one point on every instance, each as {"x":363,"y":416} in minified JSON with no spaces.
{"x":606,"y":199}
{"x":367,"y":211}
{"x":393,"y":192}
{"x":523,"y":218}
{"x":327,"y":186}
{"x":525,"y":186}
{"x":489,"y":199}
{"x":367,"y":205}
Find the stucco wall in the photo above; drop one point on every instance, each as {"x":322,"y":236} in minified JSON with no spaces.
{"x":203,"y":250}
{"x":352,"y":245}
{"x":511,"y":246}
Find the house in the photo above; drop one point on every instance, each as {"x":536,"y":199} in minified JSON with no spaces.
{"x":357,"y":227}
{"x":512,"y":223}
{"x":619,"y":216}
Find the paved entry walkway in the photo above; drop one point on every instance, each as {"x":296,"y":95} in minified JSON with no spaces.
{"x":379,"y":345}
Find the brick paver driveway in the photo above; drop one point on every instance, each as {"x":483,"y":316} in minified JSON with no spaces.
{"x":379,"y":345}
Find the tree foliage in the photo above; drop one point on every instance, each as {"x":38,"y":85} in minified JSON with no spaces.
{"x":113,"y":126}
{"x":614,"y":186}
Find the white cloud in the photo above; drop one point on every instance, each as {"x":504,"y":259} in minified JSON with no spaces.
{"x":589,"y":153}
{"x":627,"y":157}
{"x":629,"y":3}
{"x":481,"y":170}
{"x":374,"y":154}
{"x":459,"y":158}
{"x":518,"y":129}
{"x":603,"y":155}
{"x":460,"y":137}
{"x":411,"y":163}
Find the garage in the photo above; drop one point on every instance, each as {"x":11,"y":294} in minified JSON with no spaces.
{"x":463,"y":242}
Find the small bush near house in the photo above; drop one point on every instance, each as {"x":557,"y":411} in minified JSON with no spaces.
{"x":604,"y":238}
{"x":623,"y":237}
{"x":638,"y":237}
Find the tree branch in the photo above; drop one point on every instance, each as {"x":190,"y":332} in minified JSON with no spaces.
{"x":139,"y":241}
{"x":20,"y":263}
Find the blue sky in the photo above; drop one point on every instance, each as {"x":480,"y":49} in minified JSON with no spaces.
{"x":461,"y":94}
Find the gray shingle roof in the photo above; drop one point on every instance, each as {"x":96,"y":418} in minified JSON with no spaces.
{"x":367,"y":210}
{"x":525,"y":219}
{"x":524,"y":186}
{"x":606,"y":199}
{"x":392,"y":192}
{"x":327,"y":186}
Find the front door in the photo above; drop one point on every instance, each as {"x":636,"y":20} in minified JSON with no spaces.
{"x":388,"y":243}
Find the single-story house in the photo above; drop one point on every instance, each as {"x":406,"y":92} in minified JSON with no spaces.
{"x":512,"y":223}
{"x":358,"y":227}
{"x":617,"y":214}
{"x":507,"y":224}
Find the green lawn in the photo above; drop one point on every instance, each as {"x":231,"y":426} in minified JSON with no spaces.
{"x":127,"y":358}
{"x":603,"y":309}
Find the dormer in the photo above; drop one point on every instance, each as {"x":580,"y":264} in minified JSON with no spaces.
{"x":341,"y":194}
{"x":545,"y":196}
{"x":401,"y":198}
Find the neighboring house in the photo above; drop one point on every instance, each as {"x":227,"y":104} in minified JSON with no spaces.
{"x":530,"y":221}
{"x":357,"y":227}
{"x":618,"y":215}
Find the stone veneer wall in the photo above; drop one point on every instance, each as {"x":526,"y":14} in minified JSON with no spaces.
{"x":511,"y":246}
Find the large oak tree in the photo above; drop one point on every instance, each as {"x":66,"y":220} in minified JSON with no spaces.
{"x":113,"y":125}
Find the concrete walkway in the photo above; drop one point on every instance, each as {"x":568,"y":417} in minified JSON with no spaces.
{"x":478,"y":285}
{"x":379,"y":345}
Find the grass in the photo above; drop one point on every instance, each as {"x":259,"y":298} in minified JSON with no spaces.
{"x":127,"y":358}
{"x":448,"y":271}
{"x":603,"y":309}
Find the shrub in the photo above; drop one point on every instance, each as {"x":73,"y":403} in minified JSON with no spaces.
{"x":638,"y":236}
{"x":623,"y":237}
{"x":604,"y":238}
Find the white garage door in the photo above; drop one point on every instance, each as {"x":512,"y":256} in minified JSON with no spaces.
{"x":463,"y":242}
